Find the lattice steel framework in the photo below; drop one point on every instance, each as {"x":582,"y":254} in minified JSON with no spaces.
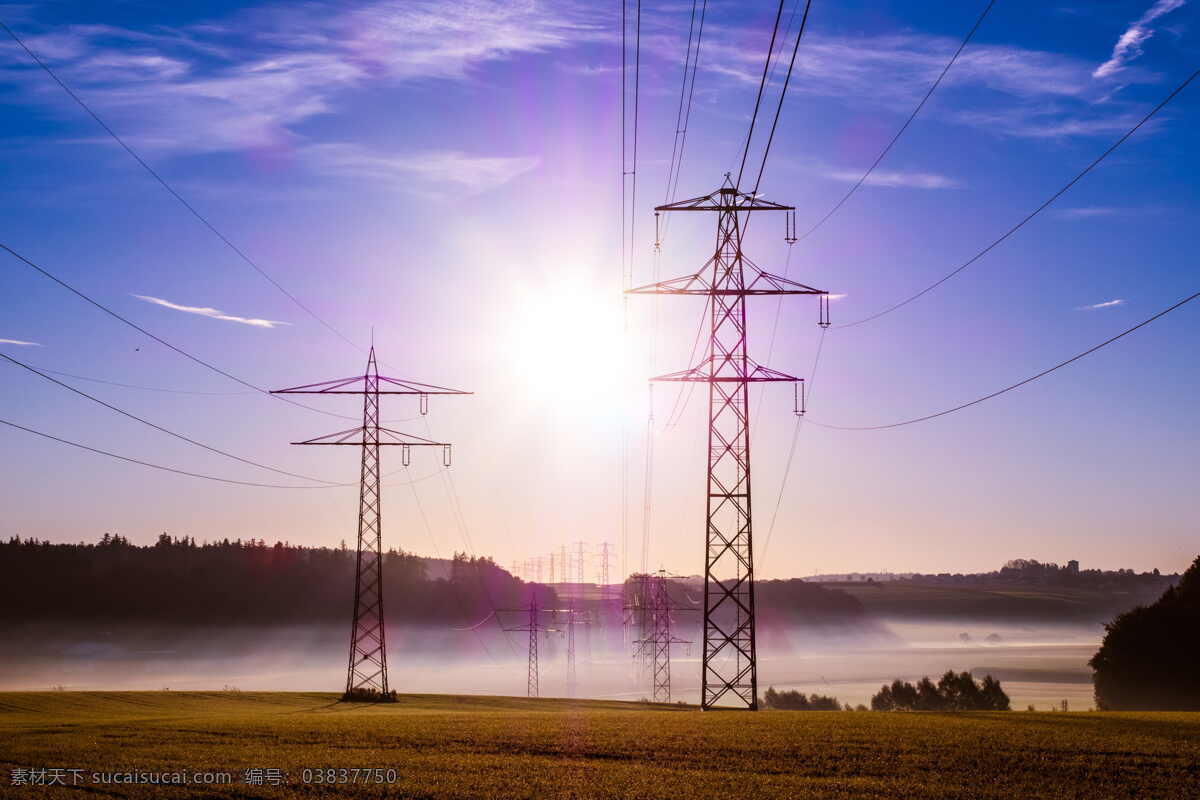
{"x":653,"y":603}
{"x":366,"y":673}
{"x":729,"y":661}
{"x":533,"y":626}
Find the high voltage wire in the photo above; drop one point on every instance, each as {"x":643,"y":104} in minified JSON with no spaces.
{"x":758,"y":99}
{"x":787,"y":470}
{"x":160,"y":428}
{"x":782,"y":94}
{"x":628,"y":216}
{"x":142,"y":388}
{"x":1016,"y":385}
{"x":176,"y":471}
{"x":684,"y":113}
{"x":172,"y":191}
{"x":904,"y":127}
{"x":674,"y":168}
{"x":437,"y":552}
{"x":159,"y":339}
{"x":762,"y":165}
{"x":1033,"y":213}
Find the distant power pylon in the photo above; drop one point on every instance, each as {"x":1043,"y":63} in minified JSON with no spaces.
{"x":569,"y":617}
{"x":533,"y":626}
{"x":637,"y":607}
{"x":366,"y":674}
{"x":661,"y":638}
{"x":605,"y":557}
{"x":729,"y":661}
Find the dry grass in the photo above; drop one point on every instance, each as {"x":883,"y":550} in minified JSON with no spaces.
{"x":496,"y":747}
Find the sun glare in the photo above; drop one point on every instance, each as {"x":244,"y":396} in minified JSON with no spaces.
{"x":566,"y":348}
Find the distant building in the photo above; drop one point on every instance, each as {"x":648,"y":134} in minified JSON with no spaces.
{"x":1073,"y":567}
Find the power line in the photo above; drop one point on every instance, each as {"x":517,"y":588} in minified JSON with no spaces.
{"x":1033,"y":213}
{"x":681,"y":115}
{"x":155,"y":466}
{"x":782,"y":94}
{"x":787,"y":470}
{"x":154,"y":174}
{"x":904,"y":127}
{"x":1011,"y":387}
{"x":762,"y":166}
{"x":758,"y":100}
{"x":160,"y":428}
{"x":437,"y":552}
{"x":142,"y":388}
{"x":159,"y":339}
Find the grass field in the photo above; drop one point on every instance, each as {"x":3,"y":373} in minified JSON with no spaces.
{"x":445,"y":746}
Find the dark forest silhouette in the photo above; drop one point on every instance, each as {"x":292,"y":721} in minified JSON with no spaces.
{"x":242,"y":582}
{"x":1149,"y":655}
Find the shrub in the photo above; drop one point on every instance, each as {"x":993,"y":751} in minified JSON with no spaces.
{"x":954,"y":692}
{"x":792,"y":700}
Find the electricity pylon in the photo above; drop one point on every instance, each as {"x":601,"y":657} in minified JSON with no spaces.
{"x":533,"y":626}
{"x":605,"y":556}
{"x":729,"y":661}
{"x":638,"y":605}
{"x":366,"y":675}
{"x":651,"y":603}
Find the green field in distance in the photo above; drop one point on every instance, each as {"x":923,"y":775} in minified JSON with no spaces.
{"x":498,"y":747}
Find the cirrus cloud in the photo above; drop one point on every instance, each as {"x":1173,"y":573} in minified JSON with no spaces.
{"x":212,"y":313}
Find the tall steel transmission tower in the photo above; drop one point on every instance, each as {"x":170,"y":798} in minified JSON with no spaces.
{"x":366,"y":674}
{"x":729,"y":661}
{"x":605,"y":556}
{"x":533,"y":626}
{"x":661,"y":608}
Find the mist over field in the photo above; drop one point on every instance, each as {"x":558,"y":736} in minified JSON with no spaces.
{"x":1038,"y":664}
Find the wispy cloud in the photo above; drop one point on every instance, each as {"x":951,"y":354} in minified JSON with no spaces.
{"x":1129,"y":45}
{"x":20,"y":342}
{"x":424,"y":171}
{"x":1088,"y":212}
{"x":915,"y":180}
{"x":1105,"y":304}
{"x":1028,"y":93}
{"x":211,"y":312}
{"x":249,"y":82}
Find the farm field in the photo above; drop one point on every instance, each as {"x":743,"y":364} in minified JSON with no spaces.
{"x":443,"y":746}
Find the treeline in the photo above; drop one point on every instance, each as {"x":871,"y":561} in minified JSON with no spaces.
{"x":956,"y":691}
{"x":792,"y":700}
{"x":177,"y":580}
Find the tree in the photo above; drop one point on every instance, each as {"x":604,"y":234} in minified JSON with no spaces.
{"x":792,"y":700}
{"x":954,"y":692}
{"x":1147,"y":661}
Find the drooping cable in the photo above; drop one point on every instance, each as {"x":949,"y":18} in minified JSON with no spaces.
{"x":173,"y":192}
{"x":152,"y":465}
{"x":1046,"y":204}
{"x":159,"y":339}
{"x":762,"y":84}
{"x":1013,"y":386}
{"x":160,"y":428}
{"x":140,"y":387}
{"x":787,"y":470}
{"x":837,"y":206}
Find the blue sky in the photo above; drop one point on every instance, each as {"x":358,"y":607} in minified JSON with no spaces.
{"x":449,"y":173}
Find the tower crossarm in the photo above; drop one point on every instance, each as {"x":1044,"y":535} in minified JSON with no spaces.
{"x":726,"y":370}
{"x":361,"y":384}
{"x":363,"y":435}
{"x":755,"y":283}
{"x":726,"y":198}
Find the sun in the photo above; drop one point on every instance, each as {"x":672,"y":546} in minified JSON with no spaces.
{"x":567,"y":348}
